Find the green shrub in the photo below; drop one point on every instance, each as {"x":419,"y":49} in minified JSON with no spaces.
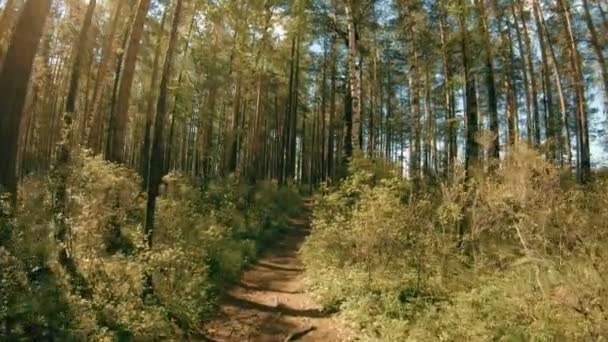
{"x":203,"y":238}
{"x":515,"y":255}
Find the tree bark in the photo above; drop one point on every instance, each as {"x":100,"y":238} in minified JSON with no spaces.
{"x":156,"y":156}
{"x":332,"y":110}
{"x":584,"y":159}
{"x":354,"y":74}
{"x":510,"y":88}
{"x":80,"y":50}
{"x":145,"y":152}
{"x":550,"y":118}
{"x":525,"y":77}
{"x":93,"y":136}
{"x":529,"y":56}
{"x":7,"y":18}
{"x":118,"y":130}
{"x":597,"y":46}
{"x":6,"y":24}
{"x":14,"y":79}
{"x":472,"y":150}
{"x":490,"y":83}
{"x":449,"y":100}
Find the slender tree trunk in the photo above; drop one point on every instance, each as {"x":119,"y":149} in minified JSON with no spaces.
{"x":472,"y":150}
{"x":562,"y":121}
{"x":550,"y":118}
{"x":429,"y":119}
{"x":584,"y":160}
{"x":598,"y":48}
{"x":79,"y":50}
{"x":285,"y":159}
{"x":293,"y":118}
{"x":323,"y":128}
{"x":156,"y":156}
{"x":510,"y":87}
{"x":236,"y":118}
{"x":451,"y":141}
{"x":118,"y":130}
{"x":332,"y":110}
{"x":145,"y":152}
{"x":354,"y":75}
{"x":347,"y":137}
{"x":14,"y":79}
{"x":388,"y":127}
{"x":373,"y":84}
{"x":415,"y":116}
{"x":93,"y":136}
{"x":111,"y":119}
{"x":529,"y":56}
{"x":208,"y":130}
{"x":170,"y":163}
{"x":490,"y":83}
{"x":524,"y":71}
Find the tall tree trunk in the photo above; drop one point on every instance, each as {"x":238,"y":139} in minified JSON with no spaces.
{"x":525,"y":77}
{"x":584,"y":159}
{"x":373,"y":84}
{"x":156,"y":156}
{"x":529,"y":56}
{"x":490,"y":83}
{"x":598,"y":48}
{"x":449,"y":100}
{"x":61,"y":170}
{"x":111,"y":120}
{"x":550,"y":118}
{"x":170,"y":150}
{"x":332,"y":110}
{"x":236,"y":118}
{"x":472,"y":150}
{"x":14,"y":79}
{"x":428,"y":123}
{"x":118,"y":130}
{"x":562,"y":121}
{"x":145,"y":152}
{"x":93,"y":136}
{"x":388,"y":126}
{"x":323,"y":128}
{"x":354,"y":74}
{"x":510,"y":88}
{"x":208,"y":130}
{"x":285,"y":158}
{"x":347,"y":137}
{"x":415,"y":147}
{"x":293,"y":117}
{"x":80,"y":50}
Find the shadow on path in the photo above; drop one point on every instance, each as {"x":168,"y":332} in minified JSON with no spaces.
{"x":269,"y":304}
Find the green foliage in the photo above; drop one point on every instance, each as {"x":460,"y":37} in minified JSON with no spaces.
{"x":515,"y":255}
{"x":203,"y":239}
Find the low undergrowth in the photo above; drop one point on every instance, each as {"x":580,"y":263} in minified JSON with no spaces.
{"x":516,"y":255}
{"x":204,"y":236}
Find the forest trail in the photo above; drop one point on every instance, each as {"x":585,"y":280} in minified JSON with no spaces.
{"x":269,"y":303}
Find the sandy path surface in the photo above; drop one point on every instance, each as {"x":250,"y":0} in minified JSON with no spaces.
{"x":269,"y":304}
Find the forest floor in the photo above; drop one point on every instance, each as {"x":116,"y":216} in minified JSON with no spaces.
{"x":269,"y":303}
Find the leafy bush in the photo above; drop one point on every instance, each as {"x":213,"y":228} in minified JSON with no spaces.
{"x":203,"y":238}
{"x":515,"y":254}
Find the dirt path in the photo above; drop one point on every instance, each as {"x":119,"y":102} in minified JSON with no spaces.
{"x":269,"y":305}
